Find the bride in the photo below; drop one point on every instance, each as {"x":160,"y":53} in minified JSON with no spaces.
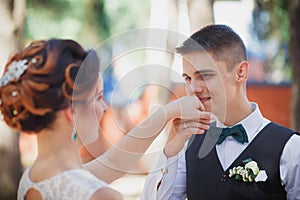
{"x":53,"y":89}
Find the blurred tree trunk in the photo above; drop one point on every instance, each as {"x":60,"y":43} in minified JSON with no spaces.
{"x":12,"y":14}
{"x":294,"y":14}
{"x":200,"y":13}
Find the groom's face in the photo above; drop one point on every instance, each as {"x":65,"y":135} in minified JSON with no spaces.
{"x":209,"y":80}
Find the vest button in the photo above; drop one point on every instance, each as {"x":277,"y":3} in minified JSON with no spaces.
{"x":224,"y":178}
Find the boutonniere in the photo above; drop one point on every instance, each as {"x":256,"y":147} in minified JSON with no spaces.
{"x":249,"y":172}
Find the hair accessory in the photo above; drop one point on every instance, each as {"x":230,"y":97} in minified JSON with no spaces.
{"x":15,"y":112}
{"x":34,"y":60}
{"x":14,"y":93}
{"x":15,"y":70}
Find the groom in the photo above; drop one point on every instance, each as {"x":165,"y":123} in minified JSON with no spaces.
{"x":215,"y":69}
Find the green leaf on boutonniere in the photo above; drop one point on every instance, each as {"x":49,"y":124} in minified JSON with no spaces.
{"x":247,"y":160}
{"x":237,"y":177}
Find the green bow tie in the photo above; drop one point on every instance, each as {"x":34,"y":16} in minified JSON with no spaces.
{"x":237,"y":132}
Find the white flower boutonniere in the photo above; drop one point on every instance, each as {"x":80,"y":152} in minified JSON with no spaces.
{"x":249,"y":173}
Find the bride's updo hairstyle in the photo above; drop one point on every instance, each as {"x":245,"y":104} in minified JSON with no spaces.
{"x":40,"y":80}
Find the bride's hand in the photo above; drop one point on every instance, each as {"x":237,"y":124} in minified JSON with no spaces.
{"x":191,"y":119}
{"x":187,"y":107}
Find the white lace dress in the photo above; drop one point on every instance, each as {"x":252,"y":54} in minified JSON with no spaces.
{"x":73,"y":184}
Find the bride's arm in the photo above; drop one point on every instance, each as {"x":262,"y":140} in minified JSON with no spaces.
{"x":126,"y":153}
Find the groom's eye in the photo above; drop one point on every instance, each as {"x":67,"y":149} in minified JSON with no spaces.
{"x":206,"y":75}
{"x":187,"y":79}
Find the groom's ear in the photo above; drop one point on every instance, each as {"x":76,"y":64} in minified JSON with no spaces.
{"x":69,"y":114}
{"x":242,"y":72}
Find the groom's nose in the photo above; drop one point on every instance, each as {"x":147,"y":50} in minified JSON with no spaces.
{"x":197,"y":86}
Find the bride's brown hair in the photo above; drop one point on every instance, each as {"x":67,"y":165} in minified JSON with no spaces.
{"x":29,"y":102}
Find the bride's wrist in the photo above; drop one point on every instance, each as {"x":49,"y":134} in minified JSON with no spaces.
{"x":171,"y":111}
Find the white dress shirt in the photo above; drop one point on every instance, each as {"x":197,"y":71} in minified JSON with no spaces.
{"x":172,"y":177}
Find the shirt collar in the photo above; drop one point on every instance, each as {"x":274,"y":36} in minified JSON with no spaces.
{"x":252,"y":123}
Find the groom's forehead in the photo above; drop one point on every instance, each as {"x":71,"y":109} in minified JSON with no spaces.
{"x":199,"y":61}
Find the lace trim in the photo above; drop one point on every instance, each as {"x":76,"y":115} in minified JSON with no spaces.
{"x":68,"y":185}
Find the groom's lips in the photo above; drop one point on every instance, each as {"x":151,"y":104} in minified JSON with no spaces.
{"x":204,"y":99}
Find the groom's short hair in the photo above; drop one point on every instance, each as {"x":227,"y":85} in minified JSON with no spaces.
{"x":219,"y":40}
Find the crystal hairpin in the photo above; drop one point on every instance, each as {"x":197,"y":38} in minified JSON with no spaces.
{"x":15,"y":70}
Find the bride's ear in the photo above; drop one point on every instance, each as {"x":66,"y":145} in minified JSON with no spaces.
{"x":69,"y":115}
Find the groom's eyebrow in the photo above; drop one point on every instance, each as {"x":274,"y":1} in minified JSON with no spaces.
{"x":204,"y":71}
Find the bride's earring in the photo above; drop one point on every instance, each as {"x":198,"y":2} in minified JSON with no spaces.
{"x":74,"y":134}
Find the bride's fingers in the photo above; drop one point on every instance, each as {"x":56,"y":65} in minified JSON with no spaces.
{"x":185,"y":134}
{"x":203,"y":121}
{"x":205,"y":115}
{"x":194,"y":124}
{"x":193,"y":130}
{"x":196,"y":114}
